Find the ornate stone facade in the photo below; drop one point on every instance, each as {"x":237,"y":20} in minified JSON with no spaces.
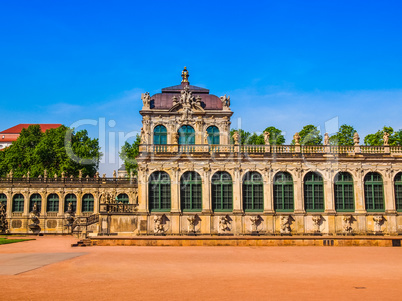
{"x":191,"y":180}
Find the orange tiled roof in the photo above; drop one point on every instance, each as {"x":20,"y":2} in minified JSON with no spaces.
{"x":18,"y":128}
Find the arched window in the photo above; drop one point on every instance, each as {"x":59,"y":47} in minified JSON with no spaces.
{"x":398,"y":191}
{"x":70,"y":198}
{"x":253,"y":195}
{"x":88,"y":203}
{"x":222,"y":191}
{"x":344,"y":195}
{"x":122,"y":198}
{"x":186,"y":135}
{"x":160,"y":135}
{"x":283,"y":192}
{"x":35,"y":198}
{"x":313,"y":192}
{"x":3,"y":200}
{"x":159,"y":191}
{"x":373,"y":192}
{"x":213,"y":135}
{"x":18,"y":203}
{"x":191,"y":191}
{"x":52,"y":203}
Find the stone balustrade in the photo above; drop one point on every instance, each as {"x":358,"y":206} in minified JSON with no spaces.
{"x":276,"y":149}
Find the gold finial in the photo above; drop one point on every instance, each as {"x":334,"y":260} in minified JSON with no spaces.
{"x":184,"y":75}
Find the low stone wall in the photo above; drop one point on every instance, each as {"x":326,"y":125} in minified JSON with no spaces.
{"x":269,"y":241}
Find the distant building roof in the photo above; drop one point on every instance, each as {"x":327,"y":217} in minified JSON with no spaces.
{"x":18,"y":128}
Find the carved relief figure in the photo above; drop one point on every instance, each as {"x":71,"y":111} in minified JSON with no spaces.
{"x":254,"y":222}
{"x":316,"y":223}
{"x":296,"y":137}
{"x":347,"y":224}
{"x":143,"y":137}
{"x":158,"y":221}
{"x":266,"y":137}
{"x":225,"y":101}
{"x":223,"y":223}
{"x":146,"y":100}
{"x":191,"y":223}
{"x":34,"y":218}
{"x":285,"y":224}
{"x":205,"y":137}
{"x":378,"y":220}
{"x":236,"y":137}
{"x":326,"y":139}
{"x":186,"y":96}
{"x":386,"y":138}
{"x":356,"y":139}
{"x":3,"y":219}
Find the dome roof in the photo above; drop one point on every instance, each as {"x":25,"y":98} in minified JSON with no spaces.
{"x":164,"y":100}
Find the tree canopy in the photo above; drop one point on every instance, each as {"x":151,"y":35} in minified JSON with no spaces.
{"x":395,"y":138}
{"x":275,"y":138}
{"x":309,"y":135}
{"x":128,"y":154}
{"x":57,"y":150}
{"x":344,"y":136}
{"x":244,"y":136}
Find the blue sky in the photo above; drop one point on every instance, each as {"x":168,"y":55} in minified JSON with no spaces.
{"x":284,"y":63}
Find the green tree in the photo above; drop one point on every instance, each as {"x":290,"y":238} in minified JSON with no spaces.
{"x":275,"y":137}
{"x":35,"y":151}
{"x":309,"y":135}
{"x":344,"y":136}
{"x":244,"y":136}
{"x":129,"y":153}
{"x":255,"y":139}
{"x":377,"y":138}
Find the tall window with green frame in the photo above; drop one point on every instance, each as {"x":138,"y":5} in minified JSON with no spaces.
{"x":70,"y":198}
{"x":313,"y":192}
{"x":88,"y":202}
{"x":213,"y":135}
{"x":191,"y":191}
{"x":398,"y":191}
{"x":35,"y":198}
{"x":122,"y":198}
{"x":160,"y":135}
{"x":283,"y":192}
{"x":18,"y":203}
{"x":373,"y":192}
{"x":52,"y":203}
{"x":159,"y":192}
{"x":253,"y":192}
{"x":3,"y":200}
{"x":222,"y":191}
{"x":186,"y":135}
{"x":344,"y":194}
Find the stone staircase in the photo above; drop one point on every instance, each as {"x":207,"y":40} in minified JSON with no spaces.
{"x":86,"y":242}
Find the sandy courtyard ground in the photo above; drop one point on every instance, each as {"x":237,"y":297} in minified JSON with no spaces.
{"x":205,"y":273}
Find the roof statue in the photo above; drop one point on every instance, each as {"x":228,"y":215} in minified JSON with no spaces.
{"x":185,"y":76}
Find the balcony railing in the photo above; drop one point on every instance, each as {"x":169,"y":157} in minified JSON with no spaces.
{"x":117,"y":208}
{"x":275,"y":149}
{"x":65,"y":180}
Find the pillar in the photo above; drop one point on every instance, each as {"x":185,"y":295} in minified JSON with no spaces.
{"x":237,"y":192}
{"x":206,"y":191}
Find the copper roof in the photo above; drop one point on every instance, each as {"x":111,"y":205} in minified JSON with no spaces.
{"x":164,"y":100}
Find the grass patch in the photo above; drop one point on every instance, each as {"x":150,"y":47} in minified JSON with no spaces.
{"x":4,"y":241}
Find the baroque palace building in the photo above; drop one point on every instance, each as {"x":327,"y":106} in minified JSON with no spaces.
{"x":193,"y":181}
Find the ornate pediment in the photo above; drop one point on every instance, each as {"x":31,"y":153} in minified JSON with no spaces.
{"x":187,"y":104}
